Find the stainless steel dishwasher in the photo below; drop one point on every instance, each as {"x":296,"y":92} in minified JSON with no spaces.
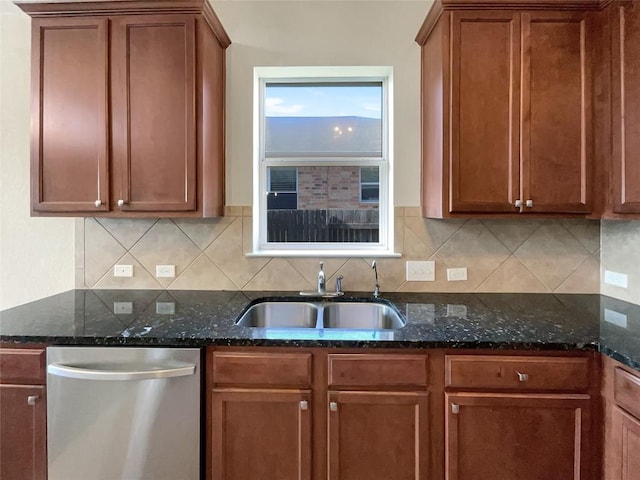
{"x":123,"y":413}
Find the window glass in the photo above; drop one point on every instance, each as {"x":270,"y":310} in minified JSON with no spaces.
{"x":310,"y":120}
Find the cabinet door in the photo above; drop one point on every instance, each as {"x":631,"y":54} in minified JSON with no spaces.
{"x":154,"y":101}
{"x":261,"y":434}
{"x":22,"y":432}
{"x":378,"y":436}
{"x":556,"y":113}
{"x":625,"y":431}
{"x":69,"y":152}
{"x":626,"y":109}
{"x":528,"y":437}
{"x":485,"y":76}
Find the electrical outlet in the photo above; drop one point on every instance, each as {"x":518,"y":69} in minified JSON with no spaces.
{"x":421,"y":271}
{"x":165,"y":271}
{"x":123,"y":271}
{"x":616,"y":279}
{"x":123,"y":308}
{"x":456,"y":274}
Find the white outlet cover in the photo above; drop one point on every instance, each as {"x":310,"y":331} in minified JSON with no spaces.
{"x":123,"y":271}
{"x":456,"y":274}
{"x":616,"y":279}
{"x":165,"y":271}
{"x":421,"y":271}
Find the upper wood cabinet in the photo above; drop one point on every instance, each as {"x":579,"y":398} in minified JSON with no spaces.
{"x":127,"y":109}
{"x":625,"y":90}
{"x":506,"y":111}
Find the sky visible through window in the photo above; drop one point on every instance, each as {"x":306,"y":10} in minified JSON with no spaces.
{"x":314,"y":100}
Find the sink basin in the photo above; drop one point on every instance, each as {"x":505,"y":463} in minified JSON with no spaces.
{"x":280,"y":315}
{"x":366,"y":315}
{"x":361,"y":316}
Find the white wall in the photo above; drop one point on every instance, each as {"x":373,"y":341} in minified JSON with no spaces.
{"x":36,"y":254}
{"x":295,"y":33}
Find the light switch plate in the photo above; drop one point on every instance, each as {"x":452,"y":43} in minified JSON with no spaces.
{"x":421,"y":271}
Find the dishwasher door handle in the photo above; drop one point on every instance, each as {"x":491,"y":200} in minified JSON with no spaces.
{"x":68,"y":371}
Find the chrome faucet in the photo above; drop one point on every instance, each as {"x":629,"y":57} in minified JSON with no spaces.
{"x":322,"y":281}
{"x":339,"y":285}
{"x":376,"y":291}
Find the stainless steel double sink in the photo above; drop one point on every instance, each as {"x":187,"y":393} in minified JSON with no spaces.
{"x":353,"y":315}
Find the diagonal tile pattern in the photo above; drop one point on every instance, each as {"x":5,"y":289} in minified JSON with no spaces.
{"x":513,"y":255}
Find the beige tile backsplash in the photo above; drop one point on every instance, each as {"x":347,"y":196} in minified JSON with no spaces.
{"x":621,"y":254}
{"x":501,"y":255}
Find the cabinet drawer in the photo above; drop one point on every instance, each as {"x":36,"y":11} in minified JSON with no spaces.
{"x":357,"y":370}
{"x":525,"y":373}
{"x":25,"y":366}
{"x":291,"y":370}
{"x":627,"y":391}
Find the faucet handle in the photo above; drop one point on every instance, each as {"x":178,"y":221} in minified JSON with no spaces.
{"x":339,"y":284}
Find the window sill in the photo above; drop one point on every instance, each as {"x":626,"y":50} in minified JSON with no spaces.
{"x":342,"y":253}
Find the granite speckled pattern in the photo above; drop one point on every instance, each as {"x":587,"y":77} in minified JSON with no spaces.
{"x":445,"y":320}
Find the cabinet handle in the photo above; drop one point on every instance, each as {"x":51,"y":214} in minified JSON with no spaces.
{"x":31,"y":399}
{"x":333,"y":406}
{"x":304,"y":405}
{"x":522,"y":377}
{"x":529,"y":203}
{"x":121,"y":202}
{"x":98,"y":203}
{"x":518,"y":203}
{"x":455,"y":408}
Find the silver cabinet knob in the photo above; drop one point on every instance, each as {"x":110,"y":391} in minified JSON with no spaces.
{"x":120,"y":203}
{"x":333,"y":406}
{"x":98,"y":203}
{"x":455,"y":408}
{"x":529,"y":203}
{"x":31,"y":399}
{"x":304,"y":405}
{"x":518,"y":203}
{"x":522,"y":377}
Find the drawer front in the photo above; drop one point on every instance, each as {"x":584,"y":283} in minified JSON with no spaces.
{"x":361,"y":370}
{"x":523,"y":373}
{"x":627,"y":391}
{"x":22,"y":366}
{"x":284,"y":370}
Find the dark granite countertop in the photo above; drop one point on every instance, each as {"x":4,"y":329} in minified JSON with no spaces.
{"x":200,"y":318}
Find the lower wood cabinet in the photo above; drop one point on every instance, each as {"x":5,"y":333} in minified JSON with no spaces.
{"x":261,"y":434}
{"x":523,"y":436}
{"x":378,"y":435}
{"x":621,"y":395}
{"x":524,"y":417}
{"x":625,"y":430}
{"x":331,"y":414}
{"x":23,"y":411}
{"x":280,"y":415}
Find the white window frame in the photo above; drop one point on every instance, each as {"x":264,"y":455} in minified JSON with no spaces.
{"x":385,"y":246}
